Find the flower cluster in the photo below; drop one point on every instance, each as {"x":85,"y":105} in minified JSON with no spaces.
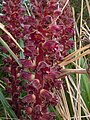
{"x":46,"y":33}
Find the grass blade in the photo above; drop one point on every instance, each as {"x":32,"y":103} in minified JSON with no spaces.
{"x":10,"y":51}
{"x":6,"y":106}
{"x":85,"y":90}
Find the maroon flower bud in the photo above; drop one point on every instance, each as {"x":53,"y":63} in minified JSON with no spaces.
{"x":7,"y":81}
{"x":26,"y":75}
{"x":48,"y":116}
{"x":30,"y":50}
{"x":18,"y":75}
{"x":45,"y":95}
{"x":37,"y":110}
{"x":28,"y":110}
{"x":26,"y":63}
{"x":54,"y":101}
{"x":34,"y":86}
{"x":31,"y":98}
{"x":43,"y":67}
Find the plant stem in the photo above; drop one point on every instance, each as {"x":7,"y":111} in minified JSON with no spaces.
{"x":65,"y":72}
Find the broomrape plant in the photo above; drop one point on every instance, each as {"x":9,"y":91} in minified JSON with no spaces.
{"x":43,"y":29}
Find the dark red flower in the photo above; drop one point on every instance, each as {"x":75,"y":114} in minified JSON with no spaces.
{"x":27,"y":64}
{"x":34,"y":86}
{"x":30,"y":99}
{"x":28,"y":110}
{"x":25,"y":75}
{"x":45,"y":95}
{"x":43,"y":67}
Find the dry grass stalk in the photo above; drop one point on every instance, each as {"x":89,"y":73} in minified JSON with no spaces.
{"x":71,"y":98}
{"x":66,"y":3}
{"x":65,"y":104}
{"x":70,"y":56}
{"x":82,"y":104}
{"x":64,"y":63}
{"x":74,"y":87}
{"x":66,"y":72}
{"x":9,"y":34}
{"x":62,"y":107}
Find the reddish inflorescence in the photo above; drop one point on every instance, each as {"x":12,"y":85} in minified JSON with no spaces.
{"x":46,"y":33}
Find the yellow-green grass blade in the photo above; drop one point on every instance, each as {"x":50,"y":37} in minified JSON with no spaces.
{"x":85,"y":90}
{"x":21,"y":43}
{"x":10,"y":51}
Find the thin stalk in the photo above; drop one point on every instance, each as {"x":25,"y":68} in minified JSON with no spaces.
{"x":66,"y":72}
{"x":27,"y":9}
{"x":2,"y":86}
{"x":86,"y":111}
{"x":87,"y":116}
{"x":76,"y":54}
{"x":79,"y":75}
{"x":73,"y":59}
{"x":65,"y":104}
{"x":70,"y":56}
{"x":66,"y":3}
{"x":70,"y":93}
